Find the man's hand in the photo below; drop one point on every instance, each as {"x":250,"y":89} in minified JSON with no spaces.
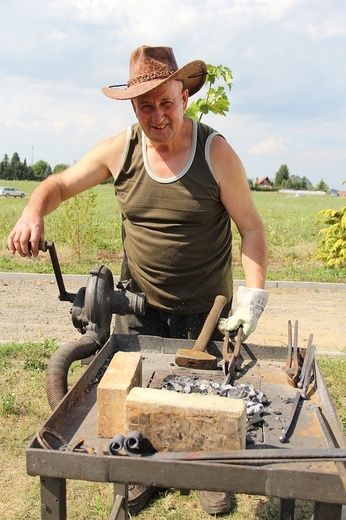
{"x":251,"y":304}
{"x":27,"y":232}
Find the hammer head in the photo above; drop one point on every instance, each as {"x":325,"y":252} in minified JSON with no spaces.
{"x":194,"y":359}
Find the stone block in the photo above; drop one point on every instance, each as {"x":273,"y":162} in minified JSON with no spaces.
{"x":186,"y":422}
{"x":123,"y":373}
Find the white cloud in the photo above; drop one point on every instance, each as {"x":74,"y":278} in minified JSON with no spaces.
{"x":285,"y":55}
{"x":270,"y":146}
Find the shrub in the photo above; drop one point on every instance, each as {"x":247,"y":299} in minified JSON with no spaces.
{"x":332,"y":247}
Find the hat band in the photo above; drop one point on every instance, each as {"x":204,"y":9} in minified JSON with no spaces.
{"x":164,"y":73}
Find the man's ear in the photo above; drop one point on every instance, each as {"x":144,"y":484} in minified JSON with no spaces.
{"x":185,"y":98}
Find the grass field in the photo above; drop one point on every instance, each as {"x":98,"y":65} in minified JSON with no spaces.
{"x":292,"y":236}
{"x":24,"y":409}
{"x":290,"y":222}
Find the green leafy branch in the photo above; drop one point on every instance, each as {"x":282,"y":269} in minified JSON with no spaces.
{"x":215,"y":100}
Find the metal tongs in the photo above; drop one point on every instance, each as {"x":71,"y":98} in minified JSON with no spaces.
{"x":230,"y":357}
{"x":297,"y":377}
{"x":292,"y":362}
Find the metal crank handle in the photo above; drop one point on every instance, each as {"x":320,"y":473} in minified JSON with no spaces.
{"x":64,"y":296}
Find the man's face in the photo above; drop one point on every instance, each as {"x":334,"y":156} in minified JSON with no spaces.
{"x":160,"y":112}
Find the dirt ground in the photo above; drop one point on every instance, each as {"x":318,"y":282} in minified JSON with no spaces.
{"x":31,"y":311}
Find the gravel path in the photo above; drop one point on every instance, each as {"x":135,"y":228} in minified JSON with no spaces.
{"x":31,"y":311}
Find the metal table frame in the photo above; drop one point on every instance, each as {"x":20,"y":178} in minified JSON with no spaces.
{"x":287,"y":481}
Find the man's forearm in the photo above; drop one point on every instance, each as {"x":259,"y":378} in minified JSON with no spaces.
{"x":45,"y":198}
{"x":254,"y":255}
{"x":30,"y":225}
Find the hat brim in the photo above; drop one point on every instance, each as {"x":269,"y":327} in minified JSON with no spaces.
{"x":192,"y":75}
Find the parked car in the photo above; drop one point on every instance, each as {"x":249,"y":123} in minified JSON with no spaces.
{"x":11,"y":192}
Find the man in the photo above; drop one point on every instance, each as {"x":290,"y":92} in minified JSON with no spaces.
{"x":179,"y":184}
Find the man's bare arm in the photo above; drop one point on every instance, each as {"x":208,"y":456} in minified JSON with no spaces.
{"x":237,"y":199}
{"x":95,"y":167}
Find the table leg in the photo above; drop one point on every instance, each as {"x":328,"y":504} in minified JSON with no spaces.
{"x":287,"y":506}
{"x":53,"y":498}
{"x":120,"y":507}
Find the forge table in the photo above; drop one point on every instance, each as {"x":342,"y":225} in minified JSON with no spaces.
{"x":264,"y":368}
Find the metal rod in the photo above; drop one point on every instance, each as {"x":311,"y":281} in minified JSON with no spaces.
{"x":289,"y":422}
{"x":278,"y":454}
{"x":289,"y":353}
{"x":307,"y":352}
{"x":331,"y":443}
{"x":295,"y":347}
{"x":308,"y":373}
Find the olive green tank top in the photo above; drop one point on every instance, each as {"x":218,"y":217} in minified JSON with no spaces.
{"x":176,"y":232}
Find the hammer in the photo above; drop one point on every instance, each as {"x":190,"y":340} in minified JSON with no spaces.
{"x":196,"y":358}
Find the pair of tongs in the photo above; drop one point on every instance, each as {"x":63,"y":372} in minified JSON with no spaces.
{"x":230,"y":357}
{"x":297,"y":375}
{"x":292,"y":362}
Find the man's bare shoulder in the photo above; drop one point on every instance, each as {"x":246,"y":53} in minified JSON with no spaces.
{"x":114,"y":143}
{"x":108,"y":152}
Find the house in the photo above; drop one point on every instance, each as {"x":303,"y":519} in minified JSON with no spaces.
{"x":296,"y":178}
{"x":264,"y":182}
{"x":342,"y":193}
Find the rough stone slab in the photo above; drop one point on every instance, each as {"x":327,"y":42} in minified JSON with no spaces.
{"x":123,"y":373}
{"x":179,"y":422}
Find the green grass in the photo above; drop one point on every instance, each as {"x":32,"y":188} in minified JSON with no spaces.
{"x":290,"y":224}
{"x":24,"y":408}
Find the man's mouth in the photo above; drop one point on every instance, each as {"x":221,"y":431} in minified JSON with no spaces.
{"x":161,"y":127}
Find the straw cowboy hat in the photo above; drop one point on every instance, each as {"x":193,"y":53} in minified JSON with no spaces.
{"x":153,"y":66}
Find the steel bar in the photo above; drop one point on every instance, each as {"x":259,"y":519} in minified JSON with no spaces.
{"x":278,"y":455}
{"x":295,"y":348}
{"x":340,"y":466}
{"x":292,"y":362}
{"x":289,"y":424}
{"x":307,"y":352}
{"x":289,"y":343}
{"x":308,"y":373}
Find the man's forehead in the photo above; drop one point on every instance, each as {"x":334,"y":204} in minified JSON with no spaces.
{"x":166,"y":90}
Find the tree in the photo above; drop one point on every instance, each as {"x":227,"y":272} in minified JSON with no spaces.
{"x":15,"y":167}
{"x":41,"y":170}
{"x":304,"y":185}
{"x":282,"y":175}
{"x":60,"y":168}
{"x":215,"y":100}
{"x":322,"y":186}
{"x":4,"y":167}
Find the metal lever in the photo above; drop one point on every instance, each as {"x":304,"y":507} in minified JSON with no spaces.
{"x":64,"y":296}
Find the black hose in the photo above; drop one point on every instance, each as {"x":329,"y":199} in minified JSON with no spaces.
{"x":58,"y":367}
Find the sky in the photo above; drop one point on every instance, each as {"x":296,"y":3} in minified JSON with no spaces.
{"x":287,"y":103}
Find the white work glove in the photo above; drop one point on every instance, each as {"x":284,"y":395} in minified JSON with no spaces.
{"x":251,"y":303}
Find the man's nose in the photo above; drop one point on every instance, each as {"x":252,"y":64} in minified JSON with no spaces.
{"x":158,"y":113}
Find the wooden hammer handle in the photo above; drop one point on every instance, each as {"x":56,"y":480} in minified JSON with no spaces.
{"x":210,"y":323}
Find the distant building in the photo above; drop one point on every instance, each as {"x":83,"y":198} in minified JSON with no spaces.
{"x":296,"y":178}
{"x":342,"y":193}
{"x":264,"y":182}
